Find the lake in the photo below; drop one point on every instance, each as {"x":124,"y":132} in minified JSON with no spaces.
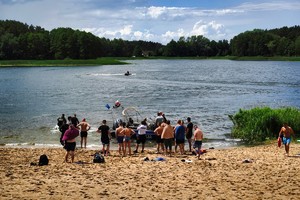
{"x":32,"y":98}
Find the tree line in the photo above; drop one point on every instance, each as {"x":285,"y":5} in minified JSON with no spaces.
{"x":21,"y":41}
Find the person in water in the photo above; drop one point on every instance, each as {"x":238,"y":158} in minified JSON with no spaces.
{"x":61,"y":120}
{"x":84,"y":128}
{"x":127,"y":73}
{"x":287,"y":132}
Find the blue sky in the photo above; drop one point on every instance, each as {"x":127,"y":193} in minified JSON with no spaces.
{"x":155,"y":20}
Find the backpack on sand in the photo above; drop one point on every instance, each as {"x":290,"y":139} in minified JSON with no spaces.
{"x":98,"y":158}
{"x":43,"y":160}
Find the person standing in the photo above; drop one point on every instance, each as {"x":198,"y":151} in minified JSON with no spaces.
{"x":64,"y":127}
{"x":189,"y":132}
{"x":180,"y":136}
{"x":158,"y":131}
{"x":84,"y":128}
{"x":198,"y":137}
{"x":61,"y":120}
{"x":141,"y":136}
{"x":287,"y":132}
{"x":168,"y":137}
{"x":70,"y":142}
{"x":74,"y":120}
{"x":105,"y":137}
{"x":120,"y":139}
{"x":127,"y":131}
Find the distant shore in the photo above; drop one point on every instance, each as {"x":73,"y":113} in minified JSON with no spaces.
{"x":119,"y":61}
{"x":261,"y":172}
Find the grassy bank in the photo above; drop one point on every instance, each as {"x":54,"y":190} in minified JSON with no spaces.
{"x":262,"y":123}
{"x":66,"y":62}
{"x":118,"y":60}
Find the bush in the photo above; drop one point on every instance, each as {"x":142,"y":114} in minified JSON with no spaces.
{"x":258,"y":124}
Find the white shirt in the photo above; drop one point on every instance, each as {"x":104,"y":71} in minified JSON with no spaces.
{"x":142,"y":129}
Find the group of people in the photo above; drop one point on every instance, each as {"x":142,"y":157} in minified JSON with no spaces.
{"x":69,"y":131}
{"x":167,"y":135}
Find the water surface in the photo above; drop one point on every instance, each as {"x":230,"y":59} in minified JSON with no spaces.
{"x":32,"y":98}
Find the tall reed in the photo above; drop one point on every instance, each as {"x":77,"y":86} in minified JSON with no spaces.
{"x":258,"y":124}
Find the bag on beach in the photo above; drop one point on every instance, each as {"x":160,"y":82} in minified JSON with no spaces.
{"x":43,"y":160}
{"x":98,"y":158}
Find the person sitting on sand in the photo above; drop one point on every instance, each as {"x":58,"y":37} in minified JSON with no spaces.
{"x":127,"y":131}
{"x":198,"y":137}
{"x":70,"y":142}
{"x":84,"y":128}
{"x":158,"y":131}
{"x":287,"y":133}
{"x":120,"y":139}
{"x":168,"y":137}
{"x":105,"y":137}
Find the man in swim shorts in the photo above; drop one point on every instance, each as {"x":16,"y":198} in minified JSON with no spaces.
{"x":120,"y":139}
{"x":198,"y":137}
{"x":287,"y":133}
{"x":158,"y":131}
{"x":168,"y":137}
{"x":84,"y":128}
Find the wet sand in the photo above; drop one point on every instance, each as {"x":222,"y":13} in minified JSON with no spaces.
{"x":261,"y":172}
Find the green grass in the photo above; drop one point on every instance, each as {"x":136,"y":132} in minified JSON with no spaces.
{"x":118,"y":60}
{"x":263,"y":123}
{"x":66,"y":62}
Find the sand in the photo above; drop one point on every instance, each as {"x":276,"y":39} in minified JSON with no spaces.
{"x":221,"y":174}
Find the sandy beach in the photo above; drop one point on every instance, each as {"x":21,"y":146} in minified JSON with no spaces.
{"x":220,"y":174}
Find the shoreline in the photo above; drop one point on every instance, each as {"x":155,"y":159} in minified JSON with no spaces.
{"x":220,"y":174}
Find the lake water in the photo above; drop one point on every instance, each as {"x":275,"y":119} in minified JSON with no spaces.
{"x":32,"y":98}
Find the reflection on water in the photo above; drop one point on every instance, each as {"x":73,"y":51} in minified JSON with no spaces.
{"x":31,"y":99}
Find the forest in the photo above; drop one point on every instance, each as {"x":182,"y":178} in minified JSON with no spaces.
{"x":20,"y":41}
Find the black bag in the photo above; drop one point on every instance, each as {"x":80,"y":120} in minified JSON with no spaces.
{"x":43,"y":160}
{"x":98,"y":158}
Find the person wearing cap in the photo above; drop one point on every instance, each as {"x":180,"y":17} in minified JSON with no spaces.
{"x":84,"y":128}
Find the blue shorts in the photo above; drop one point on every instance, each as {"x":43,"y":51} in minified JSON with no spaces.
{"x":126,"y":138}
{"x":286,"y":141}
{"x":120,"y":139}
{"x":197,"y":144}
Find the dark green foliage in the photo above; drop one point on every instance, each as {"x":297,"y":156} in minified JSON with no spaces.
{"x":274,"y":42}
{"x":260,"y":123}
{"x":21,"y":41}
